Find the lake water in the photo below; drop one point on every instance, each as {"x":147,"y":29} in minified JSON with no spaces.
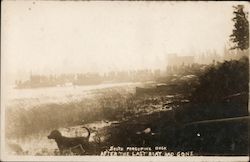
{"x":59,"y":94}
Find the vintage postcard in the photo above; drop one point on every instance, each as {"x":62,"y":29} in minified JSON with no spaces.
{"x":124,"y":80}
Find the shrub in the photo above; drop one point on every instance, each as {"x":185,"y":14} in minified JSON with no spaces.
{"x":222,"y":92}
{"x":222,"y":80}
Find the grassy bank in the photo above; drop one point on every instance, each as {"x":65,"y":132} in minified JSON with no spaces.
{"x":22,"y":120}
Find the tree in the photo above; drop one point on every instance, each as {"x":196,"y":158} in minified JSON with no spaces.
{"x":240,"y":35}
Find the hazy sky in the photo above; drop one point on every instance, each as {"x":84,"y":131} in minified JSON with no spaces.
{"x":56,"y":36}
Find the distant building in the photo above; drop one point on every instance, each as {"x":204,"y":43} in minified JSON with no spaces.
{"x":208,"y":57}
{"x":175,"y":60}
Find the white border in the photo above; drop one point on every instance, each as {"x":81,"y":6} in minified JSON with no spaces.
{"x":4,"y":157}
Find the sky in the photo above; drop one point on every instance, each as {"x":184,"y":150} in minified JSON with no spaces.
{"x":62,"y":37}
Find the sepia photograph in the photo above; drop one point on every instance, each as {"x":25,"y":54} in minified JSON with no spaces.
{"x":124,"y":80}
